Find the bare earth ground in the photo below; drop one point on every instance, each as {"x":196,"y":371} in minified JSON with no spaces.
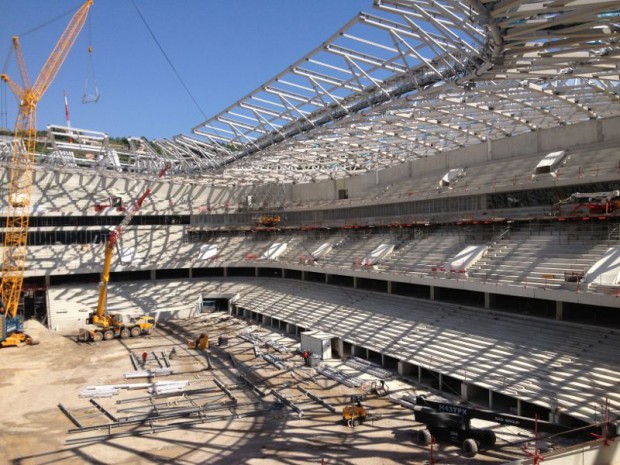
{"x":34,"y":380}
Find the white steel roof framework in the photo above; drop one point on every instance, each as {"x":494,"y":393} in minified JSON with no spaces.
{"x":416,"y":78}
{"x":412,"y":79}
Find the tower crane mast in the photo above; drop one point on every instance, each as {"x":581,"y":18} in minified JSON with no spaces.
{"x":22,"y":171}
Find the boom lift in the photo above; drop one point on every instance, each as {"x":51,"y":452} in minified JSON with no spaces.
{"x":106,"y":326}
{"x":452,"y":423}
{"x":21,"y":175}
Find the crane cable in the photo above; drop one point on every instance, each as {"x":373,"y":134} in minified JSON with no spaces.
{"x":161,"y":49}
{"x":4,"y":120}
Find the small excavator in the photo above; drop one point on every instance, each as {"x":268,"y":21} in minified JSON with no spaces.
{"x":103,"y":325}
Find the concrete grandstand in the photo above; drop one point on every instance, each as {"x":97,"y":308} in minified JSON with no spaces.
{"x":417,"y":162}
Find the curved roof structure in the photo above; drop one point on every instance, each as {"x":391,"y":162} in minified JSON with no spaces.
{"x":411,"y":79}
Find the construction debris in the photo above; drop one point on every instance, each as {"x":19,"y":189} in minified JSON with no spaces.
{"x":148,"y":373}
{"x":340,"y":376}
{"x":368,"y":367}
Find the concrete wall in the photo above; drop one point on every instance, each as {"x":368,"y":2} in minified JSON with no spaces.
{"x":77,"y":191}
{"x":530,"y":143}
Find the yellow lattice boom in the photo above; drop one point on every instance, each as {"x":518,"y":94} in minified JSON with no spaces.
{"x":22,"y":162}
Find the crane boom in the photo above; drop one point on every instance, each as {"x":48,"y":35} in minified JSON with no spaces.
{"x":99,"y":316}
{"x":22,"y":170}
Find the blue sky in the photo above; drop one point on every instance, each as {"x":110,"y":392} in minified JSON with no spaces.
{"x":222,"y":50}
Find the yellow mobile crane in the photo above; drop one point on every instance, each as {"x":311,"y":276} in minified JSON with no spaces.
{"x":103,"y":325}
{"x":21,"y":175}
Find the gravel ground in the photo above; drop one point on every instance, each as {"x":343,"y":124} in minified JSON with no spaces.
{"x":34,"y":380}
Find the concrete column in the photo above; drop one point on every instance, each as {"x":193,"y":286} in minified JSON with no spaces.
{"x":389,"y":287}
{"x":432,"y":293}
{"x":406,"y":369}
{"x":490,"y":400}
{"x":247,"y":313}
{"x":303,"y":275}
{"x":464,"y":391}
{"x":266,"y":320}
{"x":340,"y":347}
{"x":326,"y":278}
{"x":489,"y":300}
{"x":518,"y":407}
{"x":153,"y":275}
{"x":419,"y":374}
{"x":48,"y":281}
{"x":440,"y":382}
{"x":559,"y":310}
{"x":290,"y":328}
{"x":354,"y":282}
{"x":256,"y":272}
{"x":225,"y":271}
{"x":190,"y":271}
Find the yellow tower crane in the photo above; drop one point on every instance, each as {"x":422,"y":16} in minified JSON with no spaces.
{"x":21,"y":174}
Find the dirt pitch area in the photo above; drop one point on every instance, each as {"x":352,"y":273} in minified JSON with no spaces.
{"x":226,"y":415}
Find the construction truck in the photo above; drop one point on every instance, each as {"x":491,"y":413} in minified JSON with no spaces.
{"x":103,"y":325}
{"x":113,"y":325}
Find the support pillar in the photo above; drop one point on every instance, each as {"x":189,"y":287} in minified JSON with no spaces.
{"x":340,"y":347}
{"x":389,"y":287}
{"x":489,"y":300}
{"x":153,"y":275}
{"x":225,"y":270}
{"x":303,"y":275}
{"x":256,"y":272}
{"x":406,"y":369}
{"x":464,"y":391}
{"x":432,"y":293}
{"x":354,"y":282}
{"x":559,"y":310}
